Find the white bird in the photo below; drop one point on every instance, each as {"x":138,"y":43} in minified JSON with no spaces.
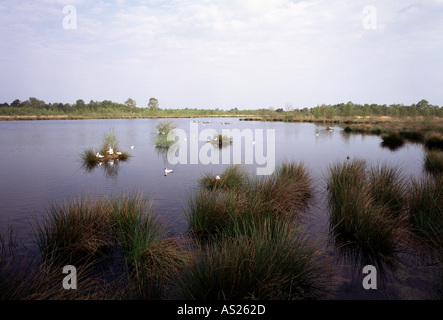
{"x":217,"y":177}
{"x":316,"y":134}
{"x":132,"y":147}
{"x":98,"y":155}
{"x":119,"y":153}
{"x":168,"y":171}
{"x":111,"y":151}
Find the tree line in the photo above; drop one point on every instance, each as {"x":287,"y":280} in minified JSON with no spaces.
{"x":34,"y":106}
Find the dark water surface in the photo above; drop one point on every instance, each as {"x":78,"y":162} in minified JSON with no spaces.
{"x":40,"y":164}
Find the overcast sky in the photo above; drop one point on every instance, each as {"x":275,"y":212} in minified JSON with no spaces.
{"x":223,"y":53}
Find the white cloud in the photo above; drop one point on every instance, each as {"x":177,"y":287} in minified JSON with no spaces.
{"x":225,"y":53}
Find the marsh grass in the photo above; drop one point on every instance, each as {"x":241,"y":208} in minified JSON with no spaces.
{"x":267,"y":261}
{"x":75,"y":231}
{"x":234,"y":176}
{"x":426,"y":207}
{"x":121,"y":232}
{"x":89,"y":156}
{"x":164,"y":127}
{"x":434,"y":140}
{"x":360,"y":213}
{"x":213,"y":208}
{"x":392,"y":140}
{"x":221,"y":140}
{"x":23,"y":277}
{"x":388,"y":186}
{"x":434,"y":161}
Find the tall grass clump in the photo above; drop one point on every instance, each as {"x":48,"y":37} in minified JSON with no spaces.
{"x":358,"y":217}
{"x":221,"y":140}
{"x":134,"y":224}
{"x":75,"y":231}
{"x":270,"y":261}
{"x":388,"y":186}
{"x":393,"y":140}
{"x":212,"y":210}
{"x":234,"y":176}
{"x":426,"y":206}
{"x":434,"y":161}
{"x":434,"y":140}
{"x":23,"y":277}
{"x":117,"y":233}
{"x":91,"y":158}
{"x":412,"y":135}
{"x":163,"y":129}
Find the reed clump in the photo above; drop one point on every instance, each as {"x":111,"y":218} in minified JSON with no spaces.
{"x":393,"y":140}
{"x":75,"y":231}
{"x":108,"y":151}
{"x":234,"y":176}
{"x":123,"y":231}
{"x":426,"y":207}
{"x":220,"y":140}
{"x":164,"y":128}
{"x":262,"y":261}
{"x":361,"y":212}
{"x":253,"y":248}
{"x":434,"y":140}
{"x":434,"y":161}
{"x":219,"y":203}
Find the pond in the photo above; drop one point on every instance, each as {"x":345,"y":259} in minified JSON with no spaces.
{"x":41,"y":164}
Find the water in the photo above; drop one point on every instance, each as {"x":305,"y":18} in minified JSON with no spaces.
{"x":40,"y":164}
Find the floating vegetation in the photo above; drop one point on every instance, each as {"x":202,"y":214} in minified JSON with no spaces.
{"x":434,"y":140}
{"x":108,"y":153}
{"x":220,"y":140}
{"x":393,"y":140}
{"x":164,"y":128}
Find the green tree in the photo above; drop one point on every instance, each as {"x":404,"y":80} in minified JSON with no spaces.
{"x":153,"y":104}
{"x":130,"y":103}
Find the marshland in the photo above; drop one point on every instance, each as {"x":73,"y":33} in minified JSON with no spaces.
{"x":338,"y":200}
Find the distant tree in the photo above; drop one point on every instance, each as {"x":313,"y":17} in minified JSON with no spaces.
{"x":130,"y":103}
{"x":330,"y":113}
{"x":348,"y":109}
{"x":35,"y":103}
{"x":80,"y":104}
{"x":279,"y":110}
{"x":153,"y":104}
{"x":16,"y":103}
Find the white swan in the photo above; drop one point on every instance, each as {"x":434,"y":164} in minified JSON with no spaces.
{"x":111,"y":151}
{"x":168,"y":171}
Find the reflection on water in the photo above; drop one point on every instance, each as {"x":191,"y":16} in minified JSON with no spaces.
{"x":40,"y":164}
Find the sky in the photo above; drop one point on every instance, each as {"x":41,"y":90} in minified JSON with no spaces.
{"x":245,"y":54}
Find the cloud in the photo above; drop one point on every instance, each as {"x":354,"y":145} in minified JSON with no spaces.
{"x":223,"y":53}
